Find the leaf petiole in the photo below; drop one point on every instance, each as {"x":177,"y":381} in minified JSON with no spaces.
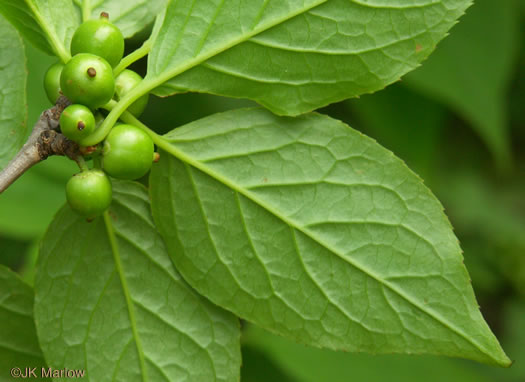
{"x":132,"y":57}
{"x":129,"y":118}
{"x":86,"y":10}
{"x":117,"y":108}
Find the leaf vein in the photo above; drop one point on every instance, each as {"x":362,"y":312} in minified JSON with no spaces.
{"x":126,"y":291}
{"x":188,"y":160}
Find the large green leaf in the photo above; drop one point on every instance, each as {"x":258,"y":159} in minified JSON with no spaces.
{"x":49,"y":25}
{"x":13,"y":110}
{"x":314,"y":365}
{"x":131,"y":16}
{"x":18,"y":342}
{"x":314,"y":231}
{"x":294,"y":56}
{"x":472,"y":70}
{"x":109,"y":301}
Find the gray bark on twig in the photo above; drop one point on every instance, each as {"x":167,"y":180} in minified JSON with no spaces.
{"x":45,"y":140}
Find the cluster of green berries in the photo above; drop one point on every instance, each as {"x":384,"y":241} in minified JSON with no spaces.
{"x":87,"y":80}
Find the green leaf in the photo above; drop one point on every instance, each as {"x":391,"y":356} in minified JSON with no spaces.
{"x":131,"y":16}
{"x":18,"y":341}
{"x":109,"y":301}
{"x":314,"y":231}
{"x":472,"y":70}
{"x":49,"y":25}
{"x":315,"y":365}
{"x":294,"y":56}
{"x":20,"y":15}
{"x":13,"y":75}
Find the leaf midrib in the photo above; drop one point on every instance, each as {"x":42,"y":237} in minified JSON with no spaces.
{"x":179,"y":69}
{"x":125,"y":288}
{"x":151,"y":82}
{"x":171,"y":149}
{"x":52,"y":38}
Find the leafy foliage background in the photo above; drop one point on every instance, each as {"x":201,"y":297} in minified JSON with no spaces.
{"x":469,"y":153}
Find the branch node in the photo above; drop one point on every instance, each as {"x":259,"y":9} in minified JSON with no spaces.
{"x":45,"y":140}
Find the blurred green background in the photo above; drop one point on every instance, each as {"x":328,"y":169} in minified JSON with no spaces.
{"x":458,"y":121}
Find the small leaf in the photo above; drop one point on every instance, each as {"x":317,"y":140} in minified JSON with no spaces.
{"x":18,"y":342}
{"x":472,"y":70}
{"x":131,"y":16}
{"x":49,"y":25}
{"x":109,"y":301}
{"x":314,"y":231}
{"x":293,"y":56}
{"x":13,"y":76}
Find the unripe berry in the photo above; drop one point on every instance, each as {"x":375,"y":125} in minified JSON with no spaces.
{"x":127,"y":153}
{"x":99,"y":37}
{"x":89,"y":193}
{"x":124,"y":83}
{"x":52,"y":82}
{"x":77,"y":122}
{"x":88,"y":80}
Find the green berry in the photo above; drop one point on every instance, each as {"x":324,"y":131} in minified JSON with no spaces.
{"x":88,"y":79}
{"x":77,"y":122}
{"x":99,"y":37}
{"x":52,"y":82}
{"x":89,"y":193}
{"x":126,"y":81}
{"x":127,"y":152}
